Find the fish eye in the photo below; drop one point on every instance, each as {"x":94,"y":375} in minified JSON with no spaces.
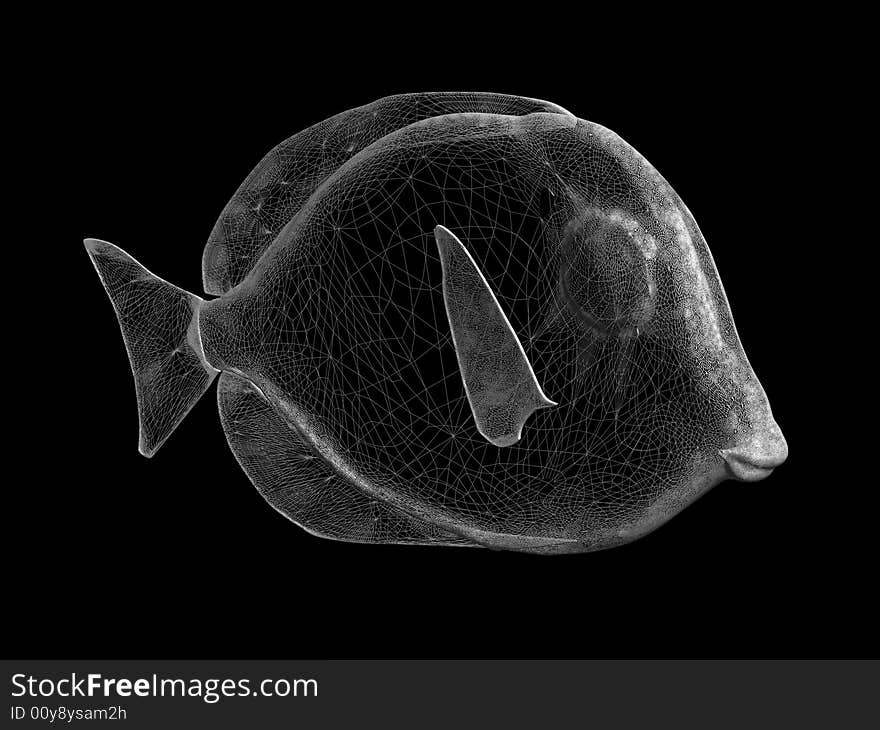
{"x":605,"y":277}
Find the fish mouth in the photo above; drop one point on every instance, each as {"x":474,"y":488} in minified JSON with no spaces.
{"x":750,"y":468}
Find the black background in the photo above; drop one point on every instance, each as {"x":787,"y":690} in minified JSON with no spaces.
{"x":141,"y":142}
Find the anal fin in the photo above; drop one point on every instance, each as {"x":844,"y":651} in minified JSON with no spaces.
{"x":299,"y":484}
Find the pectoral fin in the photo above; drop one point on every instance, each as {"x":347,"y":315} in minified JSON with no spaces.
{"x":498,"y":378}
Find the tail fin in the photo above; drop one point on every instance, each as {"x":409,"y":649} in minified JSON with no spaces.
{"x":159,"y":324}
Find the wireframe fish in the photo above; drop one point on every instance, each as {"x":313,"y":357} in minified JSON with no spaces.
{"x":395,"y":291}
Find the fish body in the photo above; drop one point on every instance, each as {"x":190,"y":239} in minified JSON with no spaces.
{"x":586,"y":311}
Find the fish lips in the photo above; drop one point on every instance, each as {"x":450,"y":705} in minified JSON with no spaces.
{"x":747,"y":465}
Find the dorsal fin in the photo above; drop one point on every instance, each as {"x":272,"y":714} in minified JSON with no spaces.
{"x":279,"y":186}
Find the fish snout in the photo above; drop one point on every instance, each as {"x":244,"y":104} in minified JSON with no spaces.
{"x":757,"y":457}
